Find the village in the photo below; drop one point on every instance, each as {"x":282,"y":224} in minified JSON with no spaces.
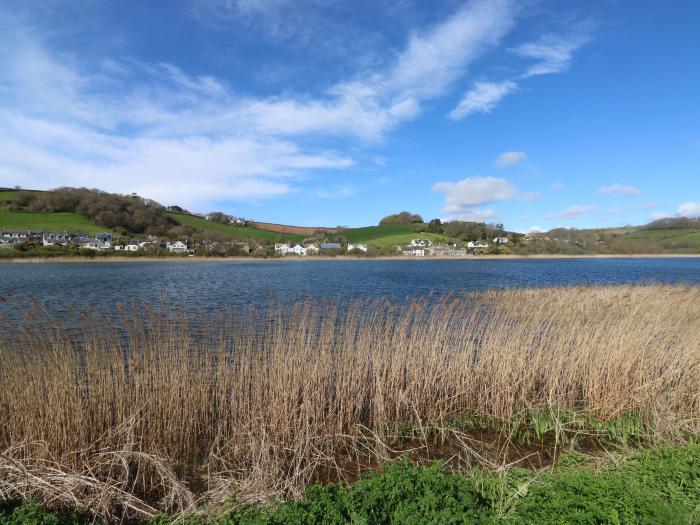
{"x":108,"y":243}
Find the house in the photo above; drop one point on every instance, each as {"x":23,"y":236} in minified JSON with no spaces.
{"x":311,"y":249}
{"x":413,"y":251}
{"x":177,"y":247}
{"x":328,"y":246}
{"x":423,"y":243}
{"x":500,"y":240}
{"x":477,"y":245}
{"x":282,"y":249}
{"x":15,"y":237}
{"x":297,"y":249}
{"x":451,"y":250}
{"x":95,"y":244}
{"x":359,"y":247}
{"x":55,"y":239}
{"x":104,"y":237}
{"x":118,"y":247}
{"x":131,"y":247}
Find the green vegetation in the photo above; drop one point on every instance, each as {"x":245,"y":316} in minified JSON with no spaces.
{"x":7,"y":195}
{"x":405,"y":217}
{"x":405,"y":238}
{"x":645,"y":486}
{"x":371,"y":233}
{"x":235,"y":232}
{"x":56,"y":221}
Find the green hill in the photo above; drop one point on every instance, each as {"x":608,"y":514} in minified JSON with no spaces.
{"x":57,"y":221}
{"x":235,"y":232}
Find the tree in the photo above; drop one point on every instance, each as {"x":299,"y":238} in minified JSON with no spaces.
{"x":404,"y":217}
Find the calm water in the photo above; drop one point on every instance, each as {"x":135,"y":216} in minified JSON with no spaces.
{"x":214,"y":285}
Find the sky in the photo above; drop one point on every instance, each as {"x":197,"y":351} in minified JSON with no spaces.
{"x":532,"y":113}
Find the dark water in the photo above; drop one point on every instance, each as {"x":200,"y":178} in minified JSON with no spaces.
{"x":215,"y":285}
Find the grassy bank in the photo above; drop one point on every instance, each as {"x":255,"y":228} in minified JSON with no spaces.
{"x":181,"y":416}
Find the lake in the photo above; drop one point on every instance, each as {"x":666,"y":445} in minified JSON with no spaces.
{"x":214,"y":285}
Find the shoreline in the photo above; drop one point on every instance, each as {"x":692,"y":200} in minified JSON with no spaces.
{"x":502,"y":257}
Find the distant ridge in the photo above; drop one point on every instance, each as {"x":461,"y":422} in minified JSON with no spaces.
{"x":285,"y":228}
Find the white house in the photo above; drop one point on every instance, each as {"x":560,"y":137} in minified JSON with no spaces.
{"x":414,"y":251}
{"x":177,"y":247}
{"x":423,"y":243}
{"x":132,"y":247}
{"x":297,"y":249}
{"x":500,"y":240}
{"x":360,"y":247}
{"x":282,"y":249}
{"x":311,"y":249}
{"x":477,"y":244}
{"x":53,"y":239}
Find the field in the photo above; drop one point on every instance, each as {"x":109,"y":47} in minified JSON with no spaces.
{"x":235,"y":232}
{"x":372,"y":233}
{"x":264,"y":403}
{"x":671,"y":238}
{"x":6,"y":195}
{"x":63,"y":221}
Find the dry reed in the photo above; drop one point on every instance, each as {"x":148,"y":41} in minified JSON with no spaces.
{"x":156,"y":412}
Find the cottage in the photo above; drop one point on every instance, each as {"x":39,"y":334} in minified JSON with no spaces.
{"x":330,"y":246}
{"x":451,"y":250}
{"x":297,"y":249}
{"x":477,"y":245}
{"x":358,"y":247}
{"x":282,"y":248}
{"x":131,"y":247}
{"x":311,"y":249}
{"x":423,"y":243}
{"x":500,"y":240}
{"x":55,"y":239}
{"x":413,"y":251}
{"x":177,"y":247}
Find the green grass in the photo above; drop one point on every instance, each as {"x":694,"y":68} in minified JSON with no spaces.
{"x":6,"y":195}
{"x":236,"y":232}
{"x":371,"y":233}
{"x":405,"y":238}
{"x":643,"y":486}
{"x":61,"y":221}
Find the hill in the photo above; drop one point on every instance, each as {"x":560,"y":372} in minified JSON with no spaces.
{"x":234,"y":232}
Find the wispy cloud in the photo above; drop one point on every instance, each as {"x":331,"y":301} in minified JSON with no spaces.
{"x":619,"y":189}
{"x":509,"y":158}
{"x":572,"y":212}
{"x":125,"y":125}
{"x":482,"y":98}
{"x":338,"y":192}
{"x":463,"y":198}
{"x":553,"y":53}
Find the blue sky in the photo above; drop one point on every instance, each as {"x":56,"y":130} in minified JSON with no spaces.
{"x":534,"y":113}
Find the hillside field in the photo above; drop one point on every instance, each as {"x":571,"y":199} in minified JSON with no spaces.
{"x":235,"y":232}
{"x":62,"y":221}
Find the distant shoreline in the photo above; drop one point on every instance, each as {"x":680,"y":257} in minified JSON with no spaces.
{"x":115,"y":259}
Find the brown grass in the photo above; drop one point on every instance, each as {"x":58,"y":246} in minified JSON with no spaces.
{"x":179,"y":412}
{"x":285,"y":228}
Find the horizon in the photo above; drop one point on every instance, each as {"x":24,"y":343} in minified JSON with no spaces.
{"x":531,"y":114}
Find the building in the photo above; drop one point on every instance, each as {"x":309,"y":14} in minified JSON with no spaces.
{"x":55,"y":239}
{"x":282,"y":249}
{"x":329,"y":246}
{"x":131,"y":247}
{"x":412,"y":251}
{"x":359,"y":247}
{"x":477,"y":245}
{"x":500,"y":240}
{"x":423,"y":243}
{"x":311,"y":249}
{"x":442,"y":250}
{"x":177,"y":247}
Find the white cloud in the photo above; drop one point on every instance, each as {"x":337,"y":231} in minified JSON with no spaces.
{"x":482,"y":98}
{"x":463,"y":197}
{"x":658,"y":215}
{"x":124,"y":125}
{"x":338,"y":191}
{"x":619,"y":189}
{"x":689,"y":209}
{"x":509,"y":158}
{"x":553,"y":53}
{"x":558,"y":186}
{"x":571,"y":212}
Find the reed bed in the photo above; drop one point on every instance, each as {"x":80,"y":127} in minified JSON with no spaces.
{"x":153,"y":411}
